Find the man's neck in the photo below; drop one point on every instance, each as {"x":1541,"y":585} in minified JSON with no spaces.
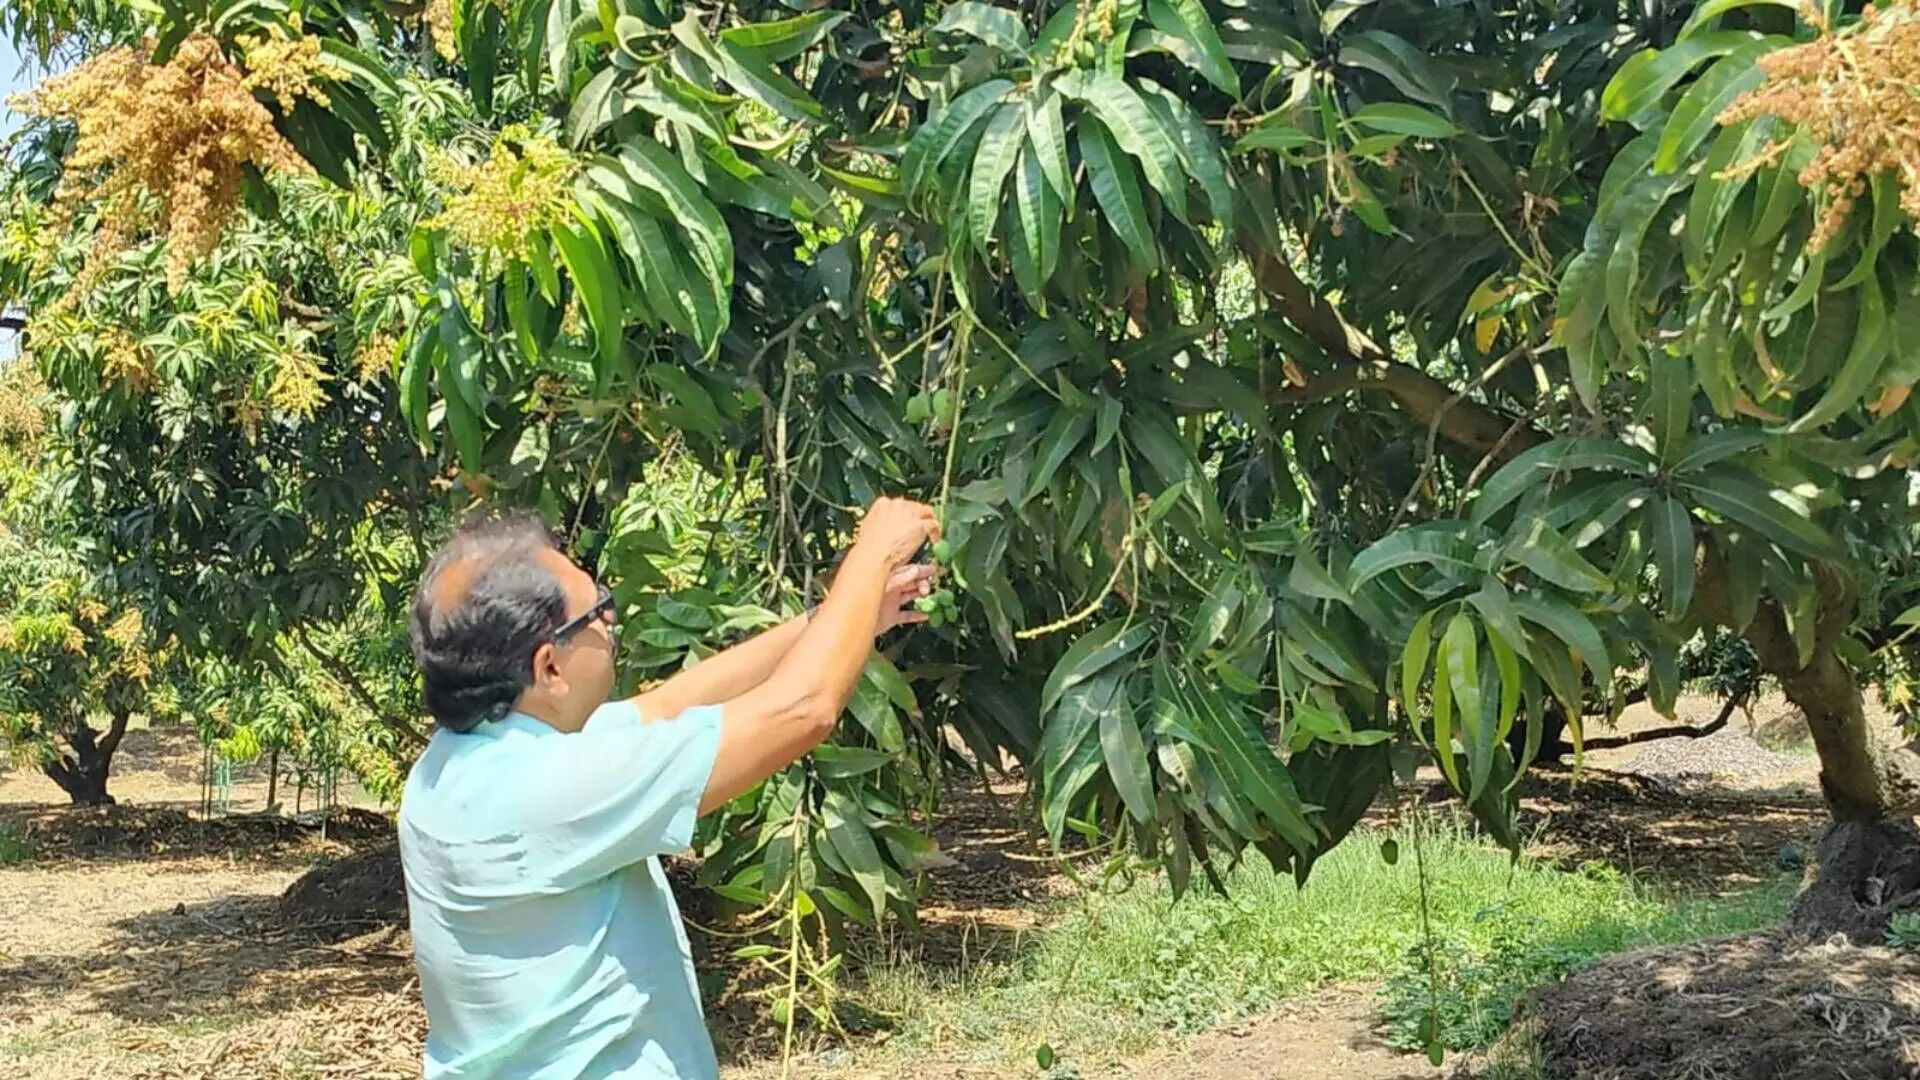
{"x":550,"y":713}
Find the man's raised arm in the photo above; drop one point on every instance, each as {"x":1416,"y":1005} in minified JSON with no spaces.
{"x":796,"y":705}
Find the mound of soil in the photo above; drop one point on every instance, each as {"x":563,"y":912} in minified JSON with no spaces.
{"x":1762,"y":1006}
{"x":111,"y":832}
{"x":363,"y":891}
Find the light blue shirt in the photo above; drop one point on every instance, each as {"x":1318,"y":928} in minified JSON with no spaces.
{"x":548,"y":942}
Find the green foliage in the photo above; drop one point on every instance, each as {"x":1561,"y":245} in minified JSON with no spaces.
{"x":1903,"y":932}
{"x":1122,"y":969}
{"x":1307,"y":393}
{"x":1482,"y":975}
{"x":15,"y":847}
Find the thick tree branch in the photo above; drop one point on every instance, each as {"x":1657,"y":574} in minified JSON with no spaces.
{"x":357,"y":688}
{"x":1365,"y":367}
{"x":115,"y":732}
{"x":12,"y":322}
{"x":1680,"y":731}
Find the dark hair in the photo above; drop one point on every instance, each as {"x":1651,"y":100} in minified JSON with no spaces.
{"x":485,"y":603}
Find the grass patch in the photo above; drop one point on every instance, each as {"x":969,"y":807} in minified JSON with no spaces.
{"x":1117,"y":973}
{"x":15,"y":848}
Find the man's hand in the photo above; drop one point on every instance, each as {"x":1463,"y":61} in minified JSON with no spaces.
{"x":908,"y":583}
{"x":894,"y":529}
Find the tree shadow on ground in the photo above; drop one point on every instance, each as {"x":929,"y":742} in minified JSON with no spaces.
{"x":150,"y":834}
{"x":217,"y":959}
{"x":1694,"y":840}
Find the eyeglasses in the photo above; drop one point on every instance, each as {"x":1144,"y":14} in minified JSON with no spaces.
{"x":601,"y":611}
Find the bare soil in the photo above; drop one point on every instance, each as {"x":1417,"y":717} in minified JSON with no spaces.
{"x":144,"y":942}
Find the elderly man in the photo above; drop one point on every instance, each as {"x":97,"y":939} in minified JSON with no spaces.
{"x":548,"y":942}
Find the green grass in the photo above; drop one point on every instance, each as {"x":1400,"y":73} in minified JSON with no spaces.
{"x":14,"y":846}
{"x":1117,"y":973}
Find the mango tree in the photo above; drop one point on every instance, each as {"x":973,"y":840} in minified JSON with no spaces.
{"x":1309,"y":391}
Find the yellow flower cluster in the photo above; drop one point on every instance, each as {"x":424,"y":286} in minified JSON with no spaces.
{"x":127,"y":361}
{"x":1851,"y":92}
{"x":439,"y":16}
{"x":288,"y":67}
{"x":295,"y":390}
{"x":92,"y":610}
{"x":375,"y":357}
{"x":125,"y":629}
{"x":23,"y":403}
{"x":496,"y":203}
{"x":160,"y":146}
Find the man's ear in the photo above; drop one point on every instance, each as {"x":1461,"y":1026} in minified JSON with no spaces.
{"x":546,"y":664}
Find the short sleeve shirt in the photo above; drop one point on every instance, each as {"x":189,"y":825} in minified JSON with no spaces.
{"x":546,"y":936}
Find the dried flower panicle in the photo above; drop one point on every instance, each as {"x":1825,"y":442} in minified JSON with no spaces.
{"x":161,"y":146}
{"x":496,"y":203}
{"x":289,"y":67}
{"x":1849,"y":91}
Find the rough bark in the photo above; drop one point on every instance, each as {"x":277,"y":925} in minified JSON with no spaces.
{"x":82,"y":770}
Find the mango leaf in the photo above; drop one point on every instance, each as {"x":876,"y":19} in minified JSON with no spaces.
{"x":846,"y":762}
{"x":1070,"y":746}
{"x":1000,"y":148}
{"x":1872,"y":337}
{"x":1439,"y":544}
{"x":1413,"y":664}
{"x":1188,"y":20}
{"x":598,"y":285}
{"x":1048,"y":133}
{"x":938,"y":137}
{"x":997,"y":27}
{"x":1745,"y":499}
{"x":846,"y":830}
{"x":1640,"y":85}
{"x":1402,"y":119}
{"x":1712,"y":9}
{"x":1697,"y":114}
{"x":1135,"y":130}
{"x":1322,"y":642}
{"x":1571,"y":627}
{"x":1536,"y":466}
{"x":1091,"y":654}
{"x":1673,"y":552}
{"x":778,"y":42}
{"x":1116,"y":187}
{"x":1126,"y":757}
{"x":1542,"y":549}
{"x":1410,"y":71}
{"x":1256,"y":774}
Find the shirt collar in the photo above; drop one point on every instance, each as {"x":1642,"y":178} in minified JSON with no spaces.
{"x":517,"y":721}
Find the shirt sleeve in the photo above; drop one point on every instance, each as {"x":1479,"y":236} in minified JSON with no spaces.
{"x":619,"y":791}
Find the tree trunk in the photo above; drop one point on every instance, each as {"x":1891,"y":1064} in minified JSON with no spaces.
{"x":1866,"y":866}
{"x":82,"y":771}
{"x":273,"y":777}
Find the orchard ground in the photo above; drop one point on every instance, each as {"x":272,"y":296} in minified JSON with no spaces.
{"x":144,"y":942}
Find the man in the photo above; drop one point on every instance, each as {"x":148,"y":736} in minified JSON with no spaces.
{"x":547,"y":939}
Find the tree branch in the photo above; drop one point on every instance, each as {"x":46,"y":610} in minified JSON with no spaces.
{"x":357,"y":688}
{"x":1364,"y":366}
{"x":1681,"y":731}
{"x":115,"y":733}
{"x":12,"y":322}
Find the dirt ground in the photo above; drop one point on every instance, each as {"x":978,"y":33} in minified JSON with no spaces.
{"x":144,"y":943}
